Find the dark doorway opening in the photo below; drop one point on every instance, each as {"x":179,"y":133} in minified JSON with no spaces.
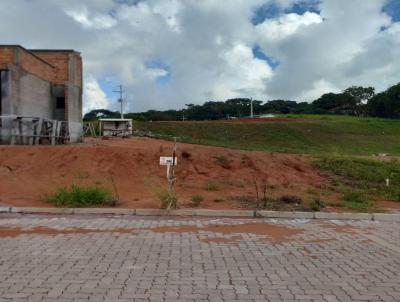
{"x":60,"y":103}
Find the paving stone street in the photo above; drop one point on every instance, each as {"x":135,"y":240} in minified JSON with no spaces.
{"x":128,"y":258}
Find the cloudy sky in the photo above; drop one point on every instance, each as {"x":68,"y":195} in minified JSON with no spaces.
{"x":170,"y":52}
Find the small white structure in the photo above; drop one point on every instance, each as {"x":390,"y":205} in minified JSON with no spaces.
{"x":116,"y":127}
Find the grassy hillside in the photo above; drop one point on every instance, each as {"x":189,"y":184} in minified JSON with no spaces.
{"x":309,"y":134}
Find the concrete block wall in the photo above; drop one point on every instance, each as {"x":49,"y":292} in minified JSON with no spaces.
{"x":36,"y":78}
{"x":34,"y":96}
{"x":68,"y":72}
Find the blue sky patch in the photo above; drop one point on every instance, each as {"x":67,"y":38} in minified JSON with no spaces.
{"x":266,"y":11}
{"x":109,"y":84}
{"x":158,"y":64}
{"x":301,"y":7}
{"x":259,"y":54}
{"x":272,"y":10}
{"x":392,"y":8}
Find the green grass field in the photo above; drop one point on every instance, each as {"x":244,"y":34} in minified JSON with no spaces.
{"x":312,"y":134}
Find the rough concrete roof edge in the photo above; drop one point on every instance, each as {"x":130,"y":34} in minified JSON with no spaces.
{"x":28,"y":51}
{"x":55,"y":50}
{"x":115,"y":119}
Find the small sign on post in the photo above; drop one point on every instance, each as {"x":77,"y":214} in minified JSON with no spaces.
{"x":168,"y":161}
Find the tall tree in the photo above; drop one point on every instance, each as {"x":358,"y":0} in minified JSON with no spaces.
{"x":385,"y":104}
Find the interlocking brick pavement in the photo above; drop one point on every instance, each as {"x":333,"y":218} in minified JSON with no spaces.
{"x":100,"y":258}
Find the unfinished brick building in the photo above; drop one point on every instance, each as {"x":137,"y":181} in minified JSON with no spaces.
{"x":40,"y":88}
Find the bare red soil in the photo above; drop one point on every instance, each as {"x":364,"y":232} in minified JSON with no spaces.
{"x":28,"y":173}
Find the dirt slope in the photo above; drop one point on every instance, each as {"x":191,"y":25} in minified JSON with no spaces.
{"x":28,"y":173}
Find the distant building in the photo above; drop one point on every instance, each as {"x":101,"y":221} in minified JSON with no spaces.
{"x":40,"y":83}
{"x":116,"y":127}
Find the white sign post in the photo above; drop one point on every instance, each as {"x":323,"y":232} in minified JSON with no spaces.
{"x":168,"y":161}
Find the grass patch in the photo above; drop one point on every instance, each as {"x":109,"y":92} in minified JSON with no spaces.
{"x":310,"y":134}
{"x":82,"y":197}
{"x":365,"y":176}
{"x":363,"y":181}
{"x":197,"y":200}
{"x":357,"y":200}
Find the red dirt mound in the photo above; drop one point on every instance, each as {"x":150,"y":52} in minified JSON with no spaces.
{"x":220,"y":175}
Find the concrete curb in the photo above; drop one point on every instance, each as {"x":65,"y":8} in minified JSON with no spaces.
{"x":280,"y":214}
{"x":207,"y":213}
{"x":386,"y":217}
{"x":42,"y":210}
{"x":5,"y":209}
{"x":225,"y":213}
{"x":113,"y":211}
{"x":344,"y":216}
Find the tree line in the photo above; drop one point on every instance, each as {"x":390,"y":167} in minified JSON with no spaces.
{"x":355,"y":100}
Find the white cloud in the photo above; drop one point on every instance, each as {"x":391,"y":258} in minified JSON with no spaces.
{"x":319,"y":88}
{"x":95,"y":22}
{"x":243,"y":74}
{"x":207,"y":46}
{"x":286,"y":25}
{"x":154,"y":73}
{"x":94,"y":96}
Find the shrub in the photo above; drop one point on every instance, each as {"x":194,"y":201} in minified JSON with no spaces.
{"x":168,"y":199}
{"x":76,"y":196}
{"x":317,"y":204}
{"x":197,"y":199}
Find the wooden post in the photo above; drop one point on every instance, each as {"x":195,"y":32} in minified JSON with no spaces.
{"x":39,"y":131}
{"x":53,"y":132}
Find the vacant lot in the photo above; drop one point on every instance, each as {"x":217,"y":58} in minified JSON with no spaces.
{"x":330,"y":167}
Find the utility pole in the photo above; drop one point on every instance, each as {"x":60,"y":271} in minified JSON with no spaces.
{"x":120,"y":91}
{"x":251,"y":108}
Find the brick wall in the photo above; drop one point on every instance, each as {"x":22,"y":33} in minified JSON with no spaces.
{"x":35,"y":66}
{"x":6,"y":57}
{"x":60,"y":60}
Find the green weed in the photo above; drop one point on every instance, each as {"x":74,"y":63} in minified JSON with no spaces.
{"x":317,"y":204}
{"x":197,"y":199}
{"x":77,"y":196}
{"x":167,"y":199}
